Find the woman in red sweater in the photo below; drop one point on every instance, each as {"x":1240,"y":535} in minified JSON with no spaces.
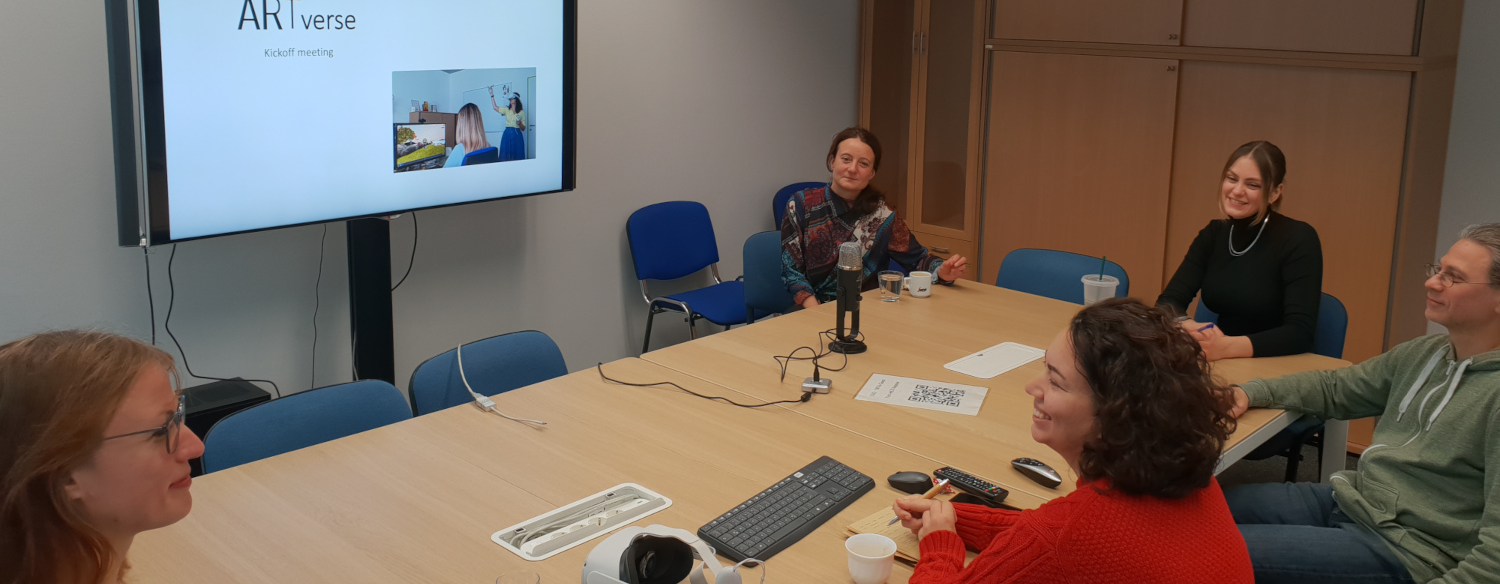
{"x":1129,"y":402}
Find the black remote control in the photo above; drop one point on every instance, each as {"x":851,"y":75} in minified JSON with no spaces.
{"x":971,"y":484}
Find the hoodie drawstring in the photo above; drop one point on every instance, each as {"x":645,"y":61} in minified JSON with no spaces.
{"x":1421,"y":379}
{"x":1451,"y":387}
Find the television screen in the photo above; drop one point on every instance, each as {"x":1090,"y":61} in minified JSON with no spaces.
{"x":243,"y":115}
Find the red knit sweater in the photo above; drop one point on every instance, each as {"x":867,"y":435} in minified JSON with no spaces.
{"x":1093,"y":536}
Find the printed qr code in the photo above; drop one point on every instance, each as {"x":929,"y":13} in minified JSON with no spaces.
{"x":942,"y":396}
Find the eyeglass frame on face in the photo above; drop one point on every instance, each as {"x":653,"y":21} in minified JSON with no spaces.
{"x":172,"y":430}
{"x":1445,"y":278}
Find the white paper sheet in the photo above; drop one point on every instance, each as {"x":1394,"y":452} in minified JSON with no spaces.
{"x":923,"y":394}
{"x":995,"y":360}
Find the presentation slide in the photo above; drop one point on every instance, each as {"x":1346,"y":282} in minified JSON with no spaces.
{"x":279,"y":112}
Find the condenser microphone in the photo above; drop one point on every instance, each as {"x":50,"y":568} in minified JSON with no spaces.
{"x":850,"y":275}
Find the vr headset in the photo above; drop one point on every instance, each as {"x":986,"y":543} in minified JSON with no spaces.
{"x":657,"y":554}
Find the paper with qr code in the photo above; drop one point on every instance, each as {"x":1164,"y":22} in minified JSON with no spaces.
{"x":925,"y":394}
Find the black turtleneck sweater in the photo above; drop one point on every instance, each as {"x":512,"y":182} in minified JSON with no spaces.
{"x":1270,"y":293}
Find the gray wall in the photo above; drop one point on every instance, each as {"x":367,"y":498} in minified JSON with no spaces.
{"x":718,"y":102}
{"x":1471,"y":193}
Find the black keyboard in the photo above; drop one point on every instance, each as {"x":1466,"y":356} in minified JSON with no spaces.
{"x":786,"y":512}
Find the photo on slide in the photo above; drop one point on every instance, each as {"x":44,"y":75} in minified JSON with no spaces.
{"x":462,"y":117}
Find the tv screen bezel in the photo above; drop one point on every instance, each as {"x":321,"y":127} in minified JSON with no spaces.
{"x":134,"y":44}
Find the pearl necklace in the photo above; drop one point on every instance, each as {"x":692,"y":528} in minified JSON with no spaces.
{"x":1263,"y":224}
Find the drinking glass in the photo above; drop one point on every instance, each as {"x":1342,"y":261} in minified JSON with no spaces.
{"x":890,"y":285}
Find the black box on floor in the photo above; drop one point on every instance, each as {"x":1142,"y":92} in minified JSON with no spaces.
{"x":208,"y":403}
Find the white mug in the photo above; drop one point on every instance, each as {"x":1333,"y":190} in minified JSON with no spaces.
{"x":920,"y":284}
{"x":871,"y":556}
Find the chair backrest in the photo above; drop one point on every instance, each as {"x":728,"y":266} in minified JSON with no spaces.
{"x":764,"y":289}
{"x":778,"y":202}
{"x":1328,"y":336}
{"x":1333,"y":323}
{"x":300,"y":420}
{"x":671,"y":240}
{"x":494,"y":365}
{"x":1055,"y":274}
{"x":482,"y":156}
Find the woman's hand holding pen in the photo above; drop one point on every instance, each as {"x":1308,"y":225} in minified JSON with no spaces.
{"x":924,"y":516}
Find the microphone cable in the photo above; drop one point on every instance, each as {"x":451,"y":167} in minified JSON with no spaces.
{"x":804,"y":398}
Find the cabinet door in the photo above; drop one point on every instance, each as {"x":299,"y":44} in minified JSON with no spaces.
{"x":949,"y":102}
{"x":1343,"y":134}
{"x":891,"y":38}
{"x":1142,"y":22}
{"x":1078,"y":158}
{"x":1377,"y":27}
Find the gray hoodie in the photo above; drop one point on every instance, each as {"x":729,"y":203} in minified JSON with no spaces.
{"x":1422,"y":484}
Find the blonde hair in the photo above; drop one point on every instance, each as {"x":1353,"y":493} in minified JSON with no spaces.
{"x":471,"y":129}
{"x":58,"y":392}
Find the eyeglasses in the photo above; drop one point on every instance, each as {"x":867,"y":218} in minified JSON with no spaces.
{"x":170,"y":430}
{"x":1445,"y":278}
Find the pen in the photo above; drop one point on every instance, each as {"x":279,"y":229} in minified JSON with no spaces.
{"x":1205,"y":327}
{"x":933,"y":492}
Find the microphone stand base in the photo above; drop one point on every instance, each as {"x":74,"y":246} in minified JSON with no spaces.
{"x":847,"y":347}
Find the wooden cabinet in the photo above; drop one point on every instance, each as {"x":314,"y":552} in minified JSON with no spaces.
{"x":1148,"y":22}
{"x":1375,"y":27}
{"x":1079,"y":159}
{"x":919,"y":94}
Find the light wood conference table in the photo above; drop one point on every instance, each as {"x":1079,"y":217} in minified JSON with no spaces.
{"x":418,"y":500}
{"x":915,"y":337}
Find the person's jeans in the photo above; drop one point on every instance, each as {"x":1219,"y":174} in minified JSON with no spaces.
{"x":1296,"y":533}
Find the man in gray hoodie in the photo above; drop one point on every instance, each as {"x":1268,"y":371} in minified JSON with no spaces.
{"x":1422,"y":507}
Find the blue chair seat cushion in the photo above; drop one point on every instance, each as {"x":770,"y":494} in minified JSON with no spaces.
{"x":722,"y":304}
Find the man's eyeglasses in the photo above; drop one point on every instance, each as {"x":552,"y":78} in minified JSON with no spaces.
{"x":170,"y":430}
{"x":1445,"y":278}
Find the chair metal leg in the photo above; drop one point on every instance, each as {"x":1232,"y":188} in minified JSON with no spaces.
{"x":650,"y":314}
{"x":1293,"y":457}
{"x":692,"y":326}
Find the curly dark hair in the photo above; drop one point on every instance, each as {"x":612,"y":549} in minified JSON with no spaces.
{"x":870,"y":198}
{"x":1161,"y":416}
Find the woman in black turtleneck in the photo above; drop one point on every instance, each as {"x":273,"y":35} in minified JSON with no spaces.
{"x":1261,"y":271}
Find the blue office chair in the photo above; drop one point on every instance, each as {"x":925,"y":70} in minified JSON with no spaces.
{"x":1055,"y":274}
{"x":765,"y":291}
{"x":300,"y":420}
{"x":674,"y":240}
{"x":1328,"y":341}
{"x":482,"y":156}
{"x":778,"y":202}
{"x":494,"y":365}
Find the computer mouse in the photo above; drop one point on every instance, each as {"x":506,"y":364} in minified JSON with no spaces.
{"x":1038,"y":471}
{"x":915,"y":483}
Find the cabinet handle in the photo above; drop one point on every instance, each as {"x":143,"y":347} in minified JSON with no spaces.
{"x":913,"y":42}
{"x":1171,"y":37}
{"x":1171,"y":67}
{"x":924,"y":43}
{"x":939,"y":249}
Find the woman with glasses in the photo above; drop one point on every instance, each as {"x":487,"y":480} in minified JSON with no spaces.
{"x":1259,"y":270}
{"x":92,"y":451}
